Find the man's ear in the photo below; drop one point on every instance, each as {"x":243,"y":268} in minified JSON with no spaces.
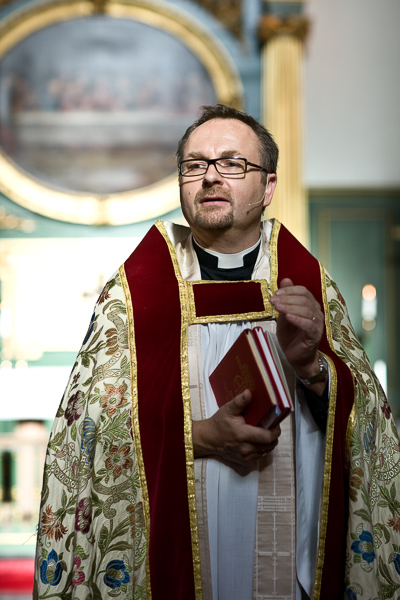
{"x":269,"y":189}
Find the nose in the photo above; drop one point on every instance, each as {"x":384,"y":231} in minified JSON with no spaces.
{"x":212,"y":174}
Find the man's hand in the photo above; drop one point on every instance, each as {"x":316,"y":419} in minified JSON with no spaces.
{"x":227,"y":435}
{"x":300,"y":327}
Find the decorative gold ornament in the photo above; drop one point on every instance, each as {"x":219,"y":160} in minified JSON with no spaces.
{"x":271,"y":26}
{"x":228,"y":12}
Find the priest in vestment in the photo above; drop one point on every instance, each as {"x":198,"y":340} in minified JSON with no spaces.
{"x":152,"y":491}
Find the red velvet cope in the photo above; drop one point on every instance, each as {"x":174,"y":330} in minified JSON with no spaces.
{"x":157,"y":319}
{"x":299,"y":265}
{"x":156,"y":310}
{"x":213,"y":299}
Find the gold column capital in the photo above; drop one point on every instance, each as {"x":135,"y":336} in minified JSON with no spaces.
{"x":271,"y":26}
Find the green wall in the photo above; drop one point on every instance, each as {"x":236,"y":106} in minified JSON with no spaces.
{"x":356,"y":236}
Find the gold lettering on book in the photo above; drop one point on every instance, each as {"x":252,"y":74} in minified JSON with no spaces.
{"x":245,"y":380}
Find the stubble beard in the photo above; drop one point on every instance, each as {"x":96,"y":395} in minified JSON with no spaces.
{"x":212,"y":217}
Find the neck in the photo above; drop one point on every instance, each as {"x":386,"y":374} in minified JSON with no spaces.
{"x":225,"y":242}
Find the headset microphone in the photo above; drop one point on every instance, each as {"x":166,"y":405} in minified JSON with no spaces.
{"x":259,"y":202}
{"x":262,"y":197}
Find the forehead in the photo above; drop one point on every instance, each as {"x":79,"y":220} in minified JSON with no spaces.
{"x":217,"y":136}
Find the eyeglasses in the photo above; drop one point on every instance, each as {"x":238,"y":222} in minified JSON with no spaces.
{"x":224,"y":166}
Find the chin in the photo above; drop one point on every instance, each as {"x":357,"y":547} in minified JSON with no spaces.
{"x":213,"y":221}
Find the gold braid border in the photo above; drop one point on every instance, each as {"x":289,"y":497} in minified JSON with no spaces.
{"x":187,"y":413}
{"x":327,"y":479}
{"x":328,"y":443}
{"x":353,"y":414}
{"x":274,"y":256}
{"x":349,"y":433}
{"x":135,"y":421}
{"x":264,"y":314}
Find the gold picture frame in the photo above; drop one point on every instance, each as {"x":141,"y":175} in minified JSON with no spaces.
{"x":106,"y":206}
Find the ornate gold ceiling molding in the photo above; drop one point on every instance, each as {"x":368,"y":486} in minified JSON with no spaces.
{"x":228,"y":12}
{"x":271,"y":26}
{"x":130,"y":206}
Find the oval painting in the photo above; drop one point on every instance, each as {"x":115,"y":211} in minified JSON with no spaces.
{"x":98,"y":104}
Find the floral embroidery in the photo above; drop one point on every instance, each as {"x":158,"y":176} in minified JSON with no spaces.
{"x":395,"y":523}
{"x":105,"y":293}
{"x":397,"y":563}
{"x":52,"y":526}
{"x":346,"y":338}
{"x":51,"y":569}
{"x":385,"y":408}
{"x":350,"y":594}
{"x":364,"y":548}
{"x":116,"y":574}
{"x":112,"y":341}
{"x":92,"y":327}
{"x":83,"y":515}
{"x":114,"y":398}
{"x":374,"y":467}
{"x":355,"y":483}
{"x":117,"y":461}
{"x":88,"y":440}
{"x":78,"y":576}
{"x":132,"y":518}
{"x":85,"y":520}
{"x":369,"y":436}
{"x":74,"y":408}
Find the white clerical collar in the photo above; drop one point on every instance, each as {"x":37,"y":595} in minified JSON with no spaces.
{"x":230,"y":261}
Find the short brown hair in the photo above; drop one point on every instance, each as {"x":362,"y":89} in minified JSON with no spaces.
{"x":267,"y":146}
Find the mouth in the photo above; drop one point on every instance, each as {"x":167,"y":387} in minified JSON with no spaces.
{"x":212,"y":197}
{"x":213,"y":200}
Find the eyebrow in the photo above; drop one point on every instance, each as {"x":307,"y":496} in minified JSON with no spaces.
{"x":225,"y":154}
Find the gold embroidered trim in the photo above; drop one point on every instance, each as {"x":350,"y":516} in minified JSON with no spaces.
{"x":263,"y":314}
{"x":327,"y":479}
{"x":135,"y":421}
{"x":329,"y":440}
{"x":274,"y":256}
{"x":328,"y":443}
{"x":353,"y":414}
{"x":326,"y":308}
{"x":160,"y":226}
{"x":187,"y":413}
{"x":350,"y":428}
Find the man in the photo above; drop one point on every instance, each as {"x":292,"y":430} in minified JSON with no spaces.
{"x":150,"y":490}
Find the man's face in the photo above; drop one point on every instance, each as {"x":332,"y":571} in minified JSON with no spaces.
{"x":217,"y":203}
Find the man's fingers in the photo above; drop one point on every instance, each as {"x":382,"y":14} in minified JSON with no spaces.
{"x":239,"y":403}
{"x":226,"y":434}
{"x":286,"y":282}
{"x":259,"y":442}
{"x":260,"y":437}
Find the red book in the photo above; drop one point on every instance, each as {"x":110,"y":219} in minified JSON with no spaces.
{"x":253,"y":363}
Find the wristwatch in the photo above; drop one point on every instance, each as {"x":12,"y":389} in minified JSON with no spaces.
{"x":320,"y":376}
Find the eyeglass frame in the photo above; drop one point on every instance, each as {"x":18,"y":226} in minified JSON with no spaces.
{"x":213,"y":161}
